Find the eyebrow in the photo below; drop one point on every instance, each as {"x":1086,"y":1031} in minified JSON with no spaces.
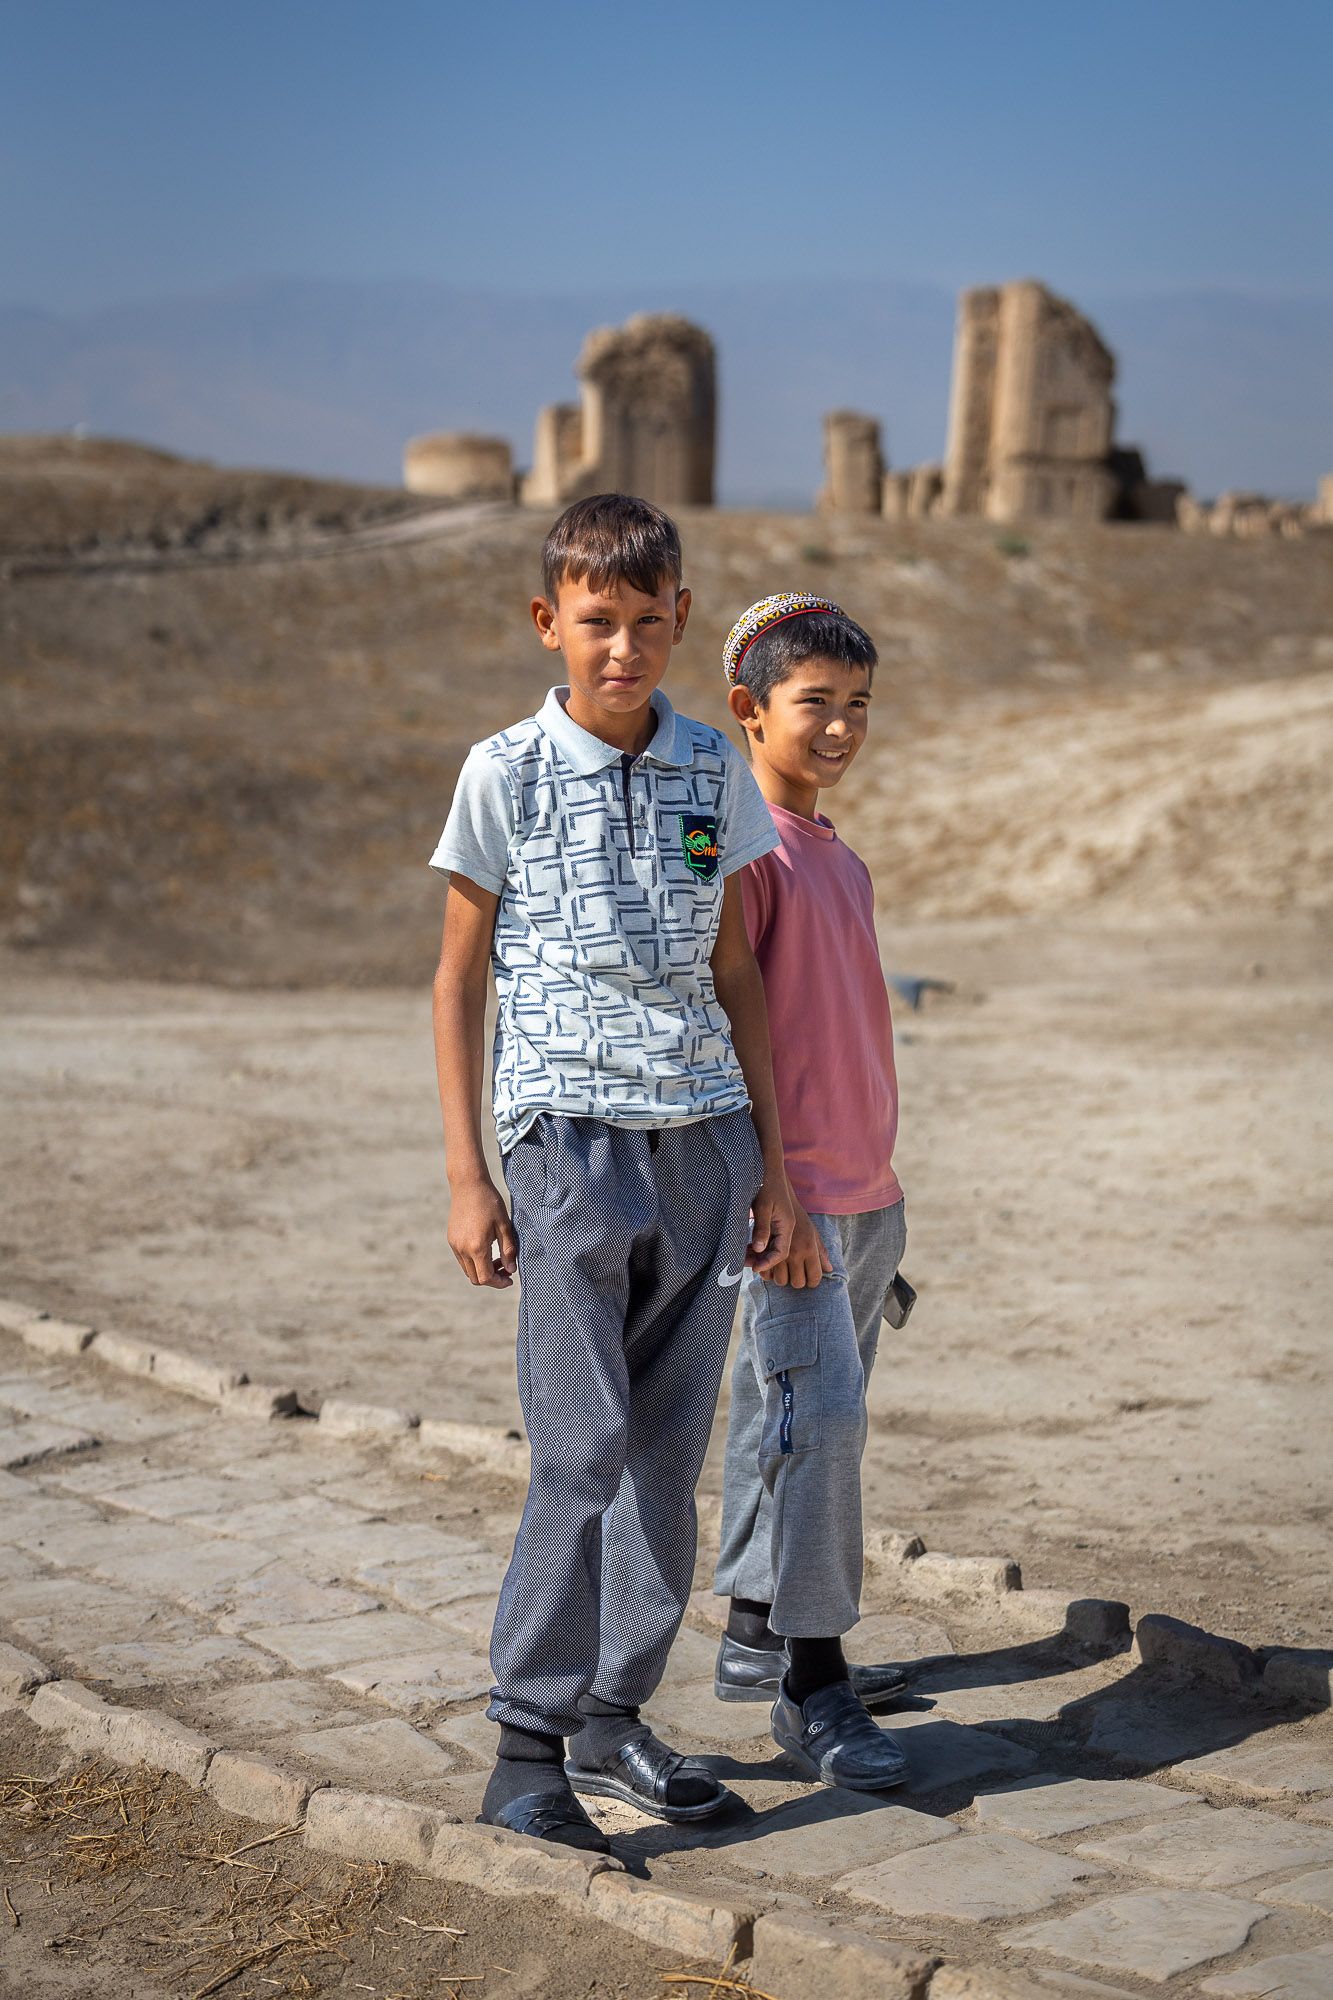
{"x":823,"y":687}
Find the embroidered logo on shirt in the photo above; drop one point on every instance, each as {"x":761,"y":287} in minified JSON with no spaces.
{"x":698,"y":840}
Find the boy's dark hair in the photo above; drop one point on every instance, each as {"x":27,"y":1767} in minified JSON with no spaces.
{"x":816,"y":635}
{"x":612,"y":538}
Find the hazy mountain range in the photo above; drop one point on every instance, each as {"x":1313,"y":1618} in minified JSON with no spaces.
{"x":332,"y":377}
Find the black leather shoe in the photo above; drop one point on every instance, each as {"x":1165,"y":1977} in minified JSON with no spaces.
{"x":554,"y":1816}
{"x":640,"y":1774}
{"x":754,"y":1673}
{"x":831,"y":1737}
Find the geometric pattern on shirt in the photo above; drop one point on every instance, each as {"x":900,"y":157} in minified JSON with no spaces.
{"x":601,"y":957}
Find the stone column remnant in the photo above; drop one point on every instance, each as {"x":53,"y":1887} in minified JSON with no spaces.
{"x":646,"y":423}
{"x":854,"y":464}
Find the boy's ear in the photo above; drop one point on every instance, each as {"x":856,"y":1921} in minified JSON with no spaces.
{"x":744,"y":707}
{"x":543,"y":617}
{"x":683,"y":602}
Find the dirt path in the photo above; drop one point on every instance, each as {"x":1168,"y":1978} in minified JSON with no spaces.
{"x":1113,"y":1145}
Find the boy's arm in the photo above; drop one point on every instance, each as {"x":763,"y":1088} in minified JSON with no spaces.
{"x":478,"y":1218}
{"x":740,"y":991}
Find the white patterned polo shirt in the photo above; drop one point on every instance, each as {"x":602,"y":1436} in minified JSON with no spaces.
{"x":609,"y":871}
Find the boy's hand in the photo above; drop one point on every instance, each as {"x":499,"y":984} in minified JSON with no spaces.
{"x":478,"y":1222}
{"x":774,"y":1211}
{"x":807,"y":1262}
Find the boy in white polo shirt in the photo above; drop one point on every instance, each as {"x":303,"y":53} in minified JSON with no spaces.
{"x":594,"y":855}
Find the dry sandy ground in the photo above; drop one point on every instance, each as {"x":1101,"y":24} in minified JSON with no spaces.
{"x":1113,"y":1142}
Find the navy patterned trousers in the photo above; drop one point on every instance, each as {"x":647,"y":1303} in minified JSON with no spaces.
{"x":631,"y":1245}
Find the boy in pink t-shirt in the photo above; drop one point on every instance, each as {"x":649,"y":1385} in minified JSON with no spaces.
{"x":791,"y":1559}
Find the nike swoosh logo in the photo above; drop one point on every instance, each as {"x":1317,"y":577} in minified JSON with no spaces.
{"x":725,"y":1278}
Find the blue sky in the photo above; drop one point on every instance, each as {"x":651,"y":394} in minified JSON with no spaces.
{"x":150,"y":148}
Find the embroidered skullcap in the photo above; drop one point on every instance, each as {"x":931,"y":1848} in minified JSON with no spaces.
{"x":769,"y":611}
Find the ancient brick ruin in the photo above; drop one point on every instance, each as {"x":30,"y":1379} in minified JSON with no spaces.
{"x":853,"y":464}
{"x":459,"y":465}
{"x":646,"y":422}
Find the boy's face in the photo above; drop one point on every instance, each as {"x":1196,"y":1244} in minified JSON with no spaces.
{"x":811,"y":726}
{"x":616,"y":643}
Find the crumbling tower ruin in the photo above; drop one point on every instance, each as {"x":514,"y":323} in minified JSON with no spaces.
{"x":853,"y":464}
{"x":1031,"y":415}
{"x":647,"y":421}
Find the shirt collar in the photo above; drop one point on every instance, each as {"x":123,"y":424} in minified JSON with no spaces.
{"x":588,"y":754}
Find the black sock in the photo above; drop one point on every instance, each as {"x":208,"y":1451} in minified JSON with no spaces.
{"x":528,"y":1761}
{"x":608,"y":1729}
{"x":815,"y":1664}
{"x":748,"y":1622}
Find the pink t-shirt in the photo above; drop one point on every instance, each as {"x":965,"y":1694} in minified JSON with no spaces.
{"x":810,"y":913}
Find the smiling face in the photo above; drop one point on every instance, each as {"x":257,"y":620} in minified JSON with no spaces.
{"x":617,"y":645}
{"x":808,"y":731}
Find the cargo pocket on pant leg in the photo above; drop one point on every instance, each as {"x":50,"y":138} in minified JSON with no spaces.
{"x":787,"y":1346}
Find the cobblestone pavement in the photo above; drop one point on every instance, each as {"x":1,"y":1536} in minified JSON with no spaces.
{"x":311,"y":1600}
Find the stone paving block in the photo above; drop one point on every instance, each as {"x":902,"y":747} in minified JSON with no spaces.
{"x":693,"y":1713}
{"x":1305,"y":1892}
{"x":1187,"y":1649}
{"x":20,"y":1672}
{"x":829,"y":1833}
{"x":509,"y":1864}
{"x":1214,"y":1849}
{"x":28,"y":1523}
{"x":339,"y":1418}
{"x":388,"y":1756}
{"x":14,"y":1315}
{"x":479,"y":1444}
{"x":340,"y":1642}
{"x":190,"y":1661}
{"x":367,"y":1548}
{"x":472,"y":1618}
{"x":1044,"y":1808}
{"x":802,"y":1958}
{"x":691,"y":1660}
{"x":707,"y":1611}
{"x":29,"y":1441}
{"x":255,"y":1788}
{"x":118,"y":1350}
{"x":1099,"y":1624}
{"x":56,"y":1336}
{"x":285,"y":1526}
{"x":16,"y":1565}
{"x":1040,"y":1699}
{"x":65,"y":1615}
{"x":1155,"y":1933}
{"x":473,"y":1733}
{"x":414,"y":1681}
{"x":690,"y":1926}
{"x":175,"y":1496}
{"x":275,"y":1708}
{"x":975,"y":1982}
{"x":1154,"y":1732}
{"x":74,"y":1712}
{"x":280,"y":1595}
{"x":970,"y":1879}
{"x":194,"y":1377}
{"x":424,"y":1586}
{"x":142,"y":1736}
{"x":890,"y":1548}
{"x":194,"y":1570}
{"x":1304,"y":1677}
{"x":887,"y":1635}
{"x":260,"y":1402}
{"x":363,"y":1827}
{"x":1269,"y":1766}
{"x":1292,"y":1975}
{"x":93,"y":1544}
{"x":939,"y":1578}
{"x":945,"y":1753}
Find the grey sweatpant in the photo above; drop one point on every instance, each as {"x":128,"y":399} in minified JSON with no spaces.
{"x":791,"y":1496}
{"x":630,"y":1250}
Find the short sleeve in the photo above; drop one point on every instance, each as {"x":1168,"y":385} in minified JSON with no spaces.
{"x":747,"y":824}
{"x":757,"y":900}
{"x":480,"y":826}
